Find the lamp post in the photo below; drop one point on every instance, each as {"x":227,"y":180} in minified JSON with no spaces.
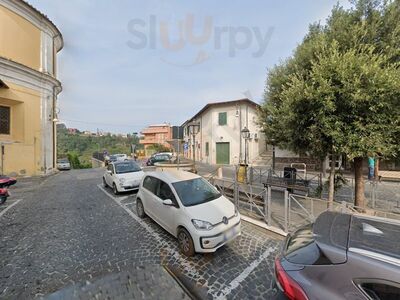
{"x":273,"y":154}
{"x":246,"y":137}
{"x":194,"y":128}
{"x":242,"y":173}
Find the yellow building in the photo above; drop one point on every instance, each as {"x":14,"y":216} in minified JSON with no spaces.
{"x":29,"y":43}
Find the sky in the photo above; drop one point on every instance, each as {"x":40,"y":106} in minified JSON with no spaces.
{"x":127,"y":64}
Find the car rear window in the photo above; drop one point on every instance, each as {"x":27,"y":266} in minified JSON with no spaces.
{"x":381,"y":237}
{"x":301,"y":248}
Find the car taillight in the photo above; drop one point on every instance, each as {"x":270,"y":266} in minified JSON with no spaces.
{"x":290,"y":287}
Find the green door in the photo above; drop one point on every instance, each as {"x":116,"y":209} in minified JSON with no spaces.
{"x":223,"y":154}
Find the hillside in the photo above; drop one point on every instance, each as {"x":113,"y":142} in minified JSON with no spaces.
{"x":83,"y":146}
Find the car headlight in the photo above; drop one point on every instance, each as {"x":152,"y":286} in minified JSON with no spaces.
{"x":122,"y":180}
{"x":202,"y":225}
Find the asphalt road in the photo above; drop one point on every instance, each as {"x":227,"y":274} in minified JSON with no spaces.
{"x":60,"y":232}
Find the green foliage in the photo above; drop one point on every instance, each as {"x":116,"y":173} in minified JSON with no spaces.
{"x":79,"y":148}
{"x":340,"y":91}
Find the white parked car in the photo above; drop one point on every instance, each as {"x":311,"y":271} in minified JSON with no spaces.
{"x":63,"y":164}
{"x":190,"y":208}
{"x":123,"y":176}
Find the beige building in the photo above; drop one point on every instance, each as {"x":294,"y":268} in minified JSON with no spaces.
{"x":219,"y":140}
{"x":29,"y":43}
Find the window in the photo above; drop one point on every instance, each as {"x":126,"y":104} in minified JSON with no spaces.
{"x":302,"y":249}
{"x":207,"y":149}
{"x":4,"y":120}
{"x":165,"y":192}
{"x":195,"y":191}
{"x":381,"y":290}
{"x":151,"y":184}
{"x":127,"y":167}
{"x":222,"y":118}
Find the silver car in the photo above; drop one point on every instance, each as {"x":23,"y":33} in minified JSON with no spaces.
{"x":341,"y":256}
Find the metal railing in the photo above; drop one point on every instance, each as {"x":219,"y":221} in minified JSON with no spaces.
{"x":280,"y":209}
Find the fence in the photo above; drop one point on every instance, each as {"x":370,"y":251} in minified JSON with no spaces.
{"x":379,"y":195}
{"x":274,"y":205}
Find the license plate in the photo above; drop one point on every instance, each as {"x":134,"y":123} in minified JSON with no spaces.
{"x":229,"y":234}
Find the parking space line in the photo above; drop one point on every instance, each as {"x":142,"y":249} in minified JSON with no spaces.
{"x":131,"y":213}
{"x":178,"y":256}
{"x":9,"y":207}
{"x":245,"y":273}
{"x":175,"y":254}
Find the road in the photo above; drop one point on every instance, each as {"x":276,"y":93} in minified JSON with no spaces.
{"x":67,"y":229}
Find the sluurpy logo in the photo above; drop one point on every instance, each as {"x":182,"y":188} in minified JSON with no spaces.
{"x":153,"y":34}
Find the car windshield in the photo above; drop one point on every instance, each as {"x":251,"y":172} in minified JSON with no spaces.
{"x":127,"y":167}
{"x":113,"y":157}
{"x":195,"y":191}
{"x":161,"y":157}
{"x":62,"y":161}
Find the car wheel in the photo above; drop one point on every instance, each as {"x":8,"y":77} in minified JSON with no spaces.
{"x":115,"y":190}
{"x":140,"y":209}
{"x":185,"y":241}
{"x":3,"y":200}
{"x":104,"y":183}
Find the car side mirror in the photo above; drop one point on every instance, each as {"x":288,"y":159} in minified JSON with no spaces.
{"x":168,"y":202}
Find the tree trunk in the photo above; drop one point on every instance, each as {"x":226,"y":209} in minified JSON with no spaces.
{"x":331,"y":189}
{"x":359,"y":182}
{"x":376,"y":172}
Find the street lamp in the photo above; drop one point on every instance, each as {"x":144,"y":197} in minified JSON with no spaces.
{"x":194,"y":128}
{"x":273,"y":154}
{"x":242,"y":173}
{"x":246,"y":137}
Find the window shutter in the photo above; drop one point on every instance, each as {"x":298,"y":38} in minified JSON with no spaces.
{"x":222,"y":118}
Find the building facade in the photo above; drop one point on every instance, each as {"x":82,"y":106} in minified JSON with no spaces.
{"x":29,"y":43}
{"x":219,"y":139}
{"x":156,"y":134}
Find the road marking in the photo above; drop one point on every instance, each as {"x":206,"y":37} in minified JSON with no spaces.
{"x":9,"y":207}
{"x":175,"y":254}
{"x":131,"y":213}
{"x":245,"y":273}
{"x":183,"y":262}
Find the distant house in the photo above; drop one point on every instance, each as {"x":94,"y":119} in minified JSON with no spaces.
{"x":72,"y":131}
{"x":156,"y":134}
{"x":219,"y":140}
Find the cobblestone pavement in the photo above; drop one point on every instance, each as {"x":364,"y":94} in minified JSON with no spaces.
{"x":70,"y":230}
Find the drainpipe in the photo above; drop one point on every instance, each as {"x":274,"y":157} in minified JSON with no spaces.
{"x":240,"y":134}
{"x":54,"y":120}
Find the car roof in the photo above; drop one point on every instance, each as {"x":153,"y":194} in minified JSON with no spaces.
{"x":123,"y":162}
{"x":366,"y":235}
{"x":375,"y":235}
{"x":173,"y":175}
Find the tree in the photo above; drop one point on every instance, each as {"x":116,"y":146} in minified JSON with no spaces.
{"x":339,"y":93}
